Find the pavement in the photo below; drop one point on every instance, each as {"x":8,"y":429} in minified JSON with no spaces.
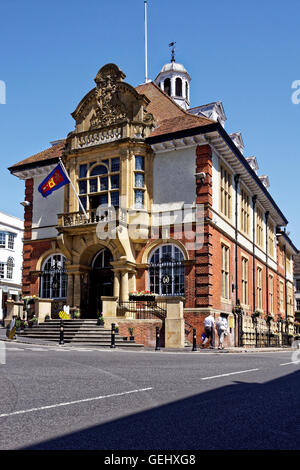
{"x":234,"y":350}
{"x":56,"y":397}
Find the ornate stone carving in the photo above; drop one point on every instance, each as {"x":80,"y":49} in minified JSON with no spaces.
{"x":110,"y":108}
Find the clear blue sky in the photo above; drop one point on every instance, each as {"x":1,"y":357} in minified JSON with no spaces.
{"x":245,"y":54}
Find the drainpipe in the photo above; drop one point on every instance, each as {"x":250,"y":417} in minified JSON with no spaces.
{"x":267,"y":260}
{"x":236,"y":180}
{"x":237,"y":301}
{"x":254,"y":198}
{"x":285,"y":287}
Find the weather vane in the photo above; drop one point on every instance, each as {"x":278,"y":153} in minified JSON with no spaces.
{"x":172,"y":45}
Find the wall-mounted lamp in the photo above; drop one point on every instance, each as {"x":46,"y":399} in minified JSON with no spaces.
{"x":25,"y":203}
{"x":200,"y":177}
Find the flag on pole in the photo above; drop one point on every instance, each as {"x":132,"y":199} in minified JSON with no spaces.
{"x":55,"y":180}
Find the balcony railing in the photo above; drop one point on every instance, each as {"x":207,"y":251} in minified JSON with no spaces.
{"x":74,"y":219}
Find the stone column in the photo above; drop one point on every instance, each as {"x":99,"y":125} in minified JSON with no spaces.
{"x":124,"y":286}
{"x":70,"y":291}
{"x":76,"y":290}
{"x":132,"y":282}
{"x":116,"y":284}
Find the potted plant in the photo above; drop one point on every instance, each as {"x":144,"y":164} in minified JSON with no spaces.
{"x":131,"y":332}
{"x":18,"y":324}
{"x":25,"y":325}
{"x":238,"y":309}
{"x":77,"y":314}
{"x":34,"y":322}
{"x":256,"y":314}
{"x":47,"y":317}
{"x":100,"y":319}
{"x":117,"y":330}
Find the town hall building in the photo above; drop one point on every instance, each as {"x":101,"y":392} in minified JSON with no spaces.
{"x":169,"y":205}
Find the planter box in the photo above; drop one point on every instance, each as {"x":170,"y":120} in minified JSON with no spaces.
{"x":142,"y":298}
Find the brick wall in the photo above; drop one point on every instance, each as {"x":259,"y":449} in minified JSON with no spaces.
{"x":144,"y":331}
{"x":32,"y":252}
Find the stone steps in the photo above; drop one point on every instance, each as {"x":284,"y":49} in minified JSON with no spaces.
{"x":77,"y":332}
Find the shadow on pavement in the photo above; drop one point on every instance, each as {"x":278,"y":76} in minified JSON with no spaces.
{"x":238,"y":416}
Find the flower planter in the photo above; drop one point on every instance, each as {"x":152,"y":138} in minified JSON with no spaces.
{"x":131,"y":338}
{"x":142,"y":298}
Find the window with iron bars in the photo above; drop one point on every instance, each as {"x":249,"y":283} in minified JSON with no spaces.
{"x":166,"y":271}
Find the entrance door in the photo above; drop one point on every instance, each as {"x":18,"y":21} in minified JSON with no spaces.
{"x":101,"y":282}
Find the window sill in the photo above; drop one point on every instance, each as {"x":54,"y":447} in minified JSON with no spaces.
{"x":226,"y":301}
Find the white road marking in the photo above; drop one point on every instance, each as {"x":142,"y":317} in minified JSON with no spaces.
{"x":36,"y":349}
{"x":230,"y":373}
{"x":287,"y":363}
{"x":61,"y":349}
{"x":15,"y":349}
{"x":84,"y":400}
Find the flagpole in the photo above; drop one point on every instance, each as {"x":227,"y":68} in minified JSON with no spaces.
{"x":73,"y":187}
{"x":146,"y":44}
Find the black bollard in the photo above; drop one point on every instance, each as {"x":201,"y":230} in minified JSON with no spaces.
{"x":113,"y":336}
{"x":194,"y":340}
{"x":157,"y":334}
{"x":61,"y":332}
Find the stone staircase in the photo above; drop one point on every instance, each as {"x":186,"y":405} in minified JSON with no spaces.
{"x":80,"y":332}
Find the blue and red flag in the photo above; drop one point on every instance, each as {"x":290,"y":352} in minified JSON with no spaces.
{"x":55,"y":180}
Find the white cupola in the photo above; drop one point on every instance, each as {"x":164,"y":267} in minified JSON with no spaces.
{"x":174,"y":80}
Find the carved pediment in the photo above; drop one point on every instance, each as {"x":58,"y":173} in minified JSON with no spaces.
{"x":110,"y":108}
{"x":112,"y":102}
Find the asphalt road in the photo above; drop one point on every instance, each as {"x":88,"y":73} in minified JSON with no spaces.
{"x":64,"y":398}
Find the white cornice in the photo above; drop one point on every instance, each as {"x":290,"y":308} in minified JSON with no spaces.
{"x":221,"y":148}
{"x":33,"y":172}
{"x":177,"y":144}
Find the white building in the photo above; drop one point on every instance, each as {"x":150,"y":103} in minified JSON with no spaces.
{"x":11,"y":259}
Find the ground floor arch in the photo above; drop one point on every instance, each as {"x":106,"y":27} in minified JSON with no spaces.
{"x":97,"y":282}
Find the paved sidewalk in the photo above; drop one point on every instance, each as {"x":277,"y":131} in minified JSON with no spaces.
{"x":24,"y":340}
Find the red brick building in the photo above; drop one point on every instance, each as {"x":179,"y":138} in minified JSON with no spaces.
{"x":190,"y":216}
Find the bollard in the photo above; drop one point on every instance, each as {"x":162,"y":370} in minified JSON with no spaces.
{"x":157,"y":348}
{"x":61,"y":333}
{"x":113,"y":337}
{"x":194,"y":340}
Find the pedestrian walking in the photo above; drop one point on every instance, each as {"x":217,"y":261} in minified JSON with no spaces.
{"x":209,"y":323}
{"x":222,"y":326}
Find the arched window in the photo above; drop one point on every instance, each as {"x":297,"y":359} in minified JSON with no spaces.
{"x":54,"y":278}
{"x":102,"y":260}
{"x":166,"y":270}
{"x":167,"y":86}
{"x":186,"y":90}
{"x":178,"y":86}
{"x":10,"y":268}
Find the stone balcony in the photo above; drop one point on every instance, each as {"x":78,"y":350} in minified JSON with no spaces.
{"x":78,"y":219}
